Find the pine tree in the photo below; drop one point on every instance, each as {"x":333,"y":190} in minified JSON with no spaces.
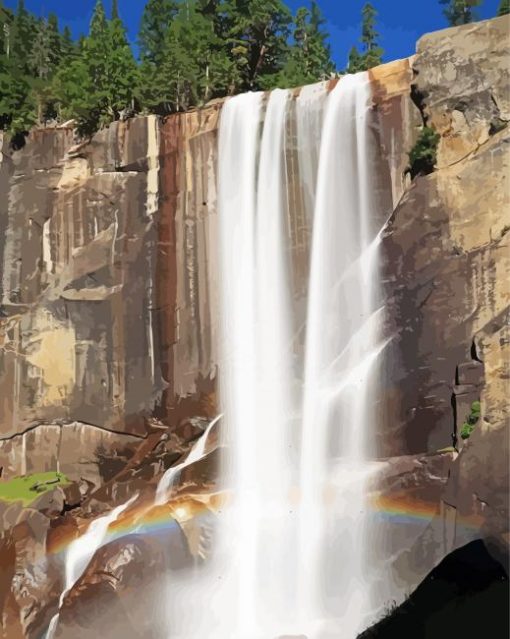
{"x":504,"y":7}
{"x":115,"y":10}
{"x":369,"y":37}
{"x":368,"y":33}
{"x":23,"y":34}
{"x":356,"y":61}
{"x":6,"y":22}
{"x":100,"y":80}
{"x":55,"y":40}
{"x":258,"y":31}
{"x":74,"y":93}
{"x":122,"y":71}
{"x":40,"y":58}
{"x":195,"y":66}
{"x":96,"y":52}
{"x":156,"y":20}
{"x":459,"y":12}
{"x":67,"y":46}
{"x":309,"y":57}
{"x":372,"y":53}
{"x":40,"y":62}
{"x":17,"y":108}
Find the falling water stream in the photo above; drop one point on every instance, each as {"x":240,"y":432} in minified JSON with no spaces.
{"x":297,"y":528}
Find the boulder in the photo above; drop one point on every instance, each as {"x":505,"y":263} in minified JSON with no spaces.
{"x":110,"y":590}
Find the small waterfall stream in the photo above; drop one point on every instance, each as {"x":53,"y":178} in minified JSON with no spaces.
{"x":82,"y":550}
{"x":197,"y":452}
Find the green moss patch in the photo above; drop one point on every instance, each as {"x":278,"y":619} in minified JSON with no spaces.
{"x":28,"y":488}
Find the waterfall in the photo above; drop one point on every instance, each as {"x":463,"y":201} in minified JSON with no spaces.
{"x":238,"y":148}
{"x":294,"y":537}
{"x":341,"y":352}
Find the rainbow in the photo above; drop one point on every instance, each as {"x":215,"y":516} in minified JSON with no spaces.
{"x":401,"y":509}
{"x":145,"y":518}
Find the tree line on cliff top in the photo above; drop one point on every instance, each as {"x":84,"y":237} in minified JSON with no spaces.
{"x":190,"y":51}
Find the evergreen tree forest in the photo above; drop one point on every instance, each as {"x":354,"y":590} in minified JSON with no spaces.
{"x":190,"y":51}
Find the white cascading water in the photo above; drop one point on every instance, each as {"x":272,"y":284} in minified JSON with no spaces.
{"x":198,"y":451}
{"x":309,"y":120}
{"x":272,"y":518}
{"x":82,"y":550}
{"x":296,"y":529}
{"x":342,"y":346}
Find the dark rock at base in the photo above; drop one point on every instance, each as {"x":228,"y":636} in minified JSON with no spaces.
{"x":465,"y":596}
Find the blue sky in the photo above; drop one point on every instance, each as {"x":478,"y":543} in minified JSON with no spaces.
{"x":400,"y":22}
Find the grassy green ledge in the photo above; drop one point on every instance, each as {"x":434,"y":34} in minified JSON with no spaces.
{"x":28,"y":488}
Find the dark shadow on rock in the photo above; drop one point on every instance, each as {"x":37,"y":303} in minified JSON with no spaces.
{"x":465,"y":596}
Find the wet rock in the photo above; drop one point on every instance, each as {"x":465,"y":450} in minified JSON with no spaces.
{"x":109,"y":590}
{"x":62,"y":531}
{"x":50,"y":503}
{"x":201,"y":473}
{"x":72,"y":495}
{"x":36,"y":525}
{"x":30,"y":581}
{"x":11,"y":513}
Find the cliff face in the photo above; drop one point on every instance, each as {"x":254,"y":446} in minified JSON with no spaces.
{"x":109,"y":300}
{"x":446,"y":245}
{"x":107,"y":308}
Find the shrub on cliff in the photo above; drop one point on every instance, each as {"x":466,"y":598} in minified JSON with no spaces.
{"x":469,"y":425}
{"x":423,"y":155}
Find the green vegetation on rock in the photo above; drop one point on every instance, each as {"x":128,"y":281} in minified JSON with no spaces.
{"x":423,"y":155}
{"x":28,"y":488}
{"x":469,"y":425}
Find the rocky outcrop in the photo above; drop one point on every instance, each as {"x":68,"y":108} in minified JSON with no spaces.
{"x":446,"y":247}
{"x":446,"y":259}
{"x":108,"y":593}
{"x":80,"y":451}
